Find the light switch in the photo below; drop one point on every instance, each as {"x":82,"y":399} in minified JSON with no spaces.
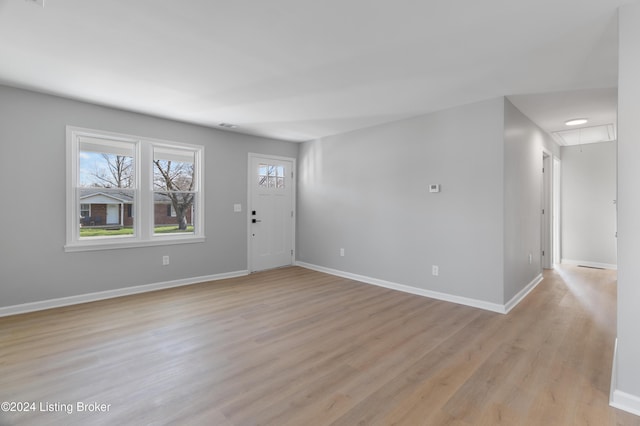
{"x":237,"y":208}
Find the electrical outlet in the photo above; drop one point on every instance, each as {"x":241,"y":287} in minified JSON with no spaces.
{"x":342,"y":252}
{"x":435,"y":270}
{"x":165,"y":260}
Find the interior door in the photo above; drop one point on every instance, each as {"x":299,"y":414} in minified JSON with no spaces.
{"x":271,"y":212}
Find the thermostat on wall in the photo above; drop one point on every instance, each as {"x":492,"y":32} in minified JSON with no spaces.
{"x":435,"y":187}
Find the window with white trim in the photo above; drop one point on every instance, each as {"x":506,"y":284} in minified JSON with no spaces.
{"x":174,"y":186}
{"x":128,"y":191}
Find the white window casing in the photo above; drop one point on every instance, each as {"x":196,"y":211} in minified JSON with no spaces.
{"x":140,"y":193}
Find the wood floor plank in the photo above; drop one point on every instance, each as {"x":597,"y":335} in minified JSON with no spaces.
{"x":298,"y":347}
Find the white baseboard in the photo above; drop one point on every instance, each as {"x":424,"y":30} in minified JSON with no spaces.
{"x":488,"y":306}
{"x":625,"y":402}
{"x":617,"y":398}
{"x":590,"y":264}
{"x":614,"y":372}
{"x":109,"y":294}
{"x":522,"y":294}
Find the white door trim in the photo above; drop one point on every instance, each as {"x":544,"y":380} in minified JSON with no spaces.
{"x":557,"y":211}
{"x":294,"y":168}
{"x":548,"y":231}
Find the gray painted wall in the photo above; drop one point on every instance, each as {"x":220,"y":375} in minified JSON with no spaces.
{"x":367,"y":192}
{"x":628,"y":354}
{"x":364,"y":191}
{"x":588,"y":212}
{"x":523,"y":146}
{"x":33,"y":265}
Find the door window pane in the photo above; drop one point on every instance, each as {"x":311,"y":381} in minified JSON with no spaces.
{"x":271,"y":176}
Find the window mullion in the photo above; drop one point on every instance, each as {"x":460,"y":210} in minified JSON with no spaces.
{"x":199,"y":206}
{"x":72,"y":187}
{"x":145,"y":191}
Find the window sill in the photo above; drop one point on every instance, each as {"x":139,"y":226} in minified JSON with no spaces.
{"x":113,"y":245}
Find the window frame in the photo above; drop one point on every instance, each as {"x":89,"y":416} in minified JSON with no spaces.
{"x":143,"y":200}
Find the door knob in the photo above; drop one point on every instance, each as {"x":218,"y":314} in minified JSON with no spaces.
{"x":255,"y":220}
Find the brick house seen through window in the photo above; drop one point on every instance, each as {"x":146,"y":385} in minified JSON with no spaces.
{"x":116,"y":209}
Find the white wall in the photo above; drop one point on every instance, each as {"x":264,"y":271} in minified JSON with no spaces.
{"x":627,"y":378}
{"x":367,"y":192}
{"x":588,"y":211}
{"x":523,"y":147}
{"x":33,"y":264}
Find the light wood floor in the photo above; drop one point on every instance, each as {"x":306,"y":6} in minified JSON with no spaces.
{"x":297,"y":347}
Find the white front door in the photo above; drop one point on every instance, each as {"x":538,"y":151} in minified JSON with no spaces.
{"x":112,"y":214}
{"x":271,"y":212}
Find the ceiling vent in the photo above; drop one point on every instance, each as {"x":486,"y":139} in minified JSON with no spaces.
{"x":36,"y":2}
{"x":584,"y":135}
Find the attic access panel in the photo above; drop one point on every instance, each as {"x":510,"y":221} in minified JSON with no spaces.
{"x":585,"y":135}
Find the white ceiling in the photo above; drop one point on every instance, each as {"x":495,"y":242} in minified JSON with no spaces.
{"x":301,"y":69}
